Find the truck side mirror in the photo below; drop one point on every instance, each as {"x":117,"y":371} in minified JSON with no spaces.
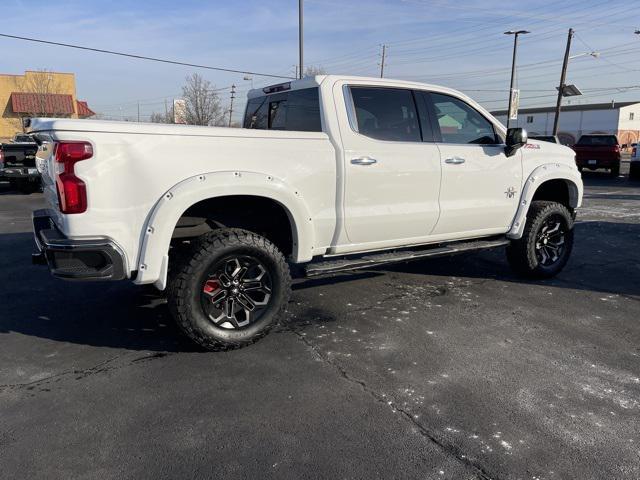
{"x":516,"y":138}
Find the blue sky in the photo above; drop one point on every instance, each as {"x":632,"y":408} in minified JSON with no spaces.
{"x":455,"y":43}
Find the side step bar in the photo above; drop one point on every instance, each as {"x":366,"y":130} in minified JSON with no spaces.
{"x":399,"y":256}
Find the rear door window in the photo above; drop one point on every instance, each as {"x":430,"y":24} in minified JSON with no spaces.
{"x":386,"y":114}
{"x":296,"y":110}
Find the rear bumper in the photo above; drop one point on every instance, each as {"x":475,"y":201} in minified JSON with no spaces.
{"x":587,"y":162}
{"x":94,"y":259}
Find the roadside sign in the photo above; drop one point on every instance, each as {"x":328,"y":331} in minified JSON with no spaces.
{"x":515,"y":103}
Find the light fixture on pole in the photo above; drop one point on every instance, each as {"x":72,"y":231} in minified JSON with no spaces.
{"x":592,"y":54}
{"x":513,"y":110}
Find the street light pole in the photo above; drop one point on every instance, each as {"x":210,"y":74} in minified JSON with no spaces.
{"x":515,"y":34}
{"x":384,"y":57}
{"x":233,"y":97}
{"x":563,"y":78}
{"x":301,"y":38}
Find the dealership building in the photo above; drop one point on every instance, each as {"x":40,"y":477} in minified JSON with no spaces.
{"x":38,"y":94}
{"x":618,"y":118}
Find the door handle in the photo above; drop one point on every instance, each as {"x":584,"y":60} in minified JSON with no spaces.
{"x":364,"y":161}
{"x":455,"y":160}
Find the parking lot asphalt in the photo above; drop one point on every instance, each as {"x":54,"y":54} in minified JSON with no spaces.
{"x":450,"y":368}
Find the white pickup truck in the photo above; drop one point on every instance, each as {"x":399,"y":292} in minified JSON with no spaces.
{"x":329,"y":174}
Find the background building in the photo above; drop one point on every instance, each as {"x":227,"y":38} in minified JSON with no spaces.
{"x":621,"y":119}
{"x":38,"y":94}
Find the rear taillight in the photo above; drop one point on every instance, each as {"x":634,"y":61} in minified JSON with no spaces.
{"x":72,"y":192}
{"x":633,"y":152}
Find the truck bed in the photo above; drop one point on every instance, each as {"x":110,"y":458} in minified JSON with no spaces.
{"x":135,"y":164}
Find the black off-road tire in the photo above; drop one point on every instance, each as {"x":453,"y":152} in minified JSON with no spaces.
{"x":189,"y":274}
{"x":634,"y":171}
{"x":521,"y":253}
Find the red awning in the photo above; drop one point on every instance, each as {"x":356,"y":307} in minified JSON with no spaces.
{"x":84,"y":110}
{"x":42,"y":103}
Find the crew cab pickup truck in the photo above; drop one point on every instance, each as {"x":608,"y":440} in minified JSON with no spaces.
{"x":18,"y":163}
{"x":330,"y":174}
{"x":598,"y":151}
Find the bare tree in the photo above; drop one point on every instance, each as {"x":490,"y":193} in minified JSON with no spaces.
{"x":166,"y":117}
{"x":313,"y":70}
{"x":202,"y":102}
{"x":43,"y":84}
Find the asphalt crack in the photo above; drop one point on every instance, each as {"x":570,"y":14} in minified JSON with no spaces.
{"x":447,"y":448}
{"x":80,"y":374}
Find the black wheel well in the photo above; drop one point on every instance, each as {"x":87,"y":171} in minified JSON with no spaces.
{"x":556,"y":190}
{"x":260,"y":215}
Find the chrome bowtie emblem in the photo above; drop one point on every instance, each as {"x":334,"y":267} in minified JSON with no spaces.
{"x":511,"y":191}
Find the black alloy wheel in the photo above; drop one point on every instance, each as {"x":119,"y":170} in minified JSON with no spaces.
{"x":550,"y":241}
{"x":236,"y":291}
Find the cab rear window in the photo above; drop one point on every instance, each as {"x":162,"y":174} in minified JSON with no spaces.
{"x":296,"y":110}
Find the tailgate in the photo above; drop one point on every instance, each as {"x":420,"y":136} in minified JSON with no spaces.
{"x":46,"y":165}
{"x":596,"y":153}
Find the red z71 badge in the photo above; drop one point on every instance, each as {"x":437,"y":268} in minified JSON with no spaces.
{"x":532,"y":145}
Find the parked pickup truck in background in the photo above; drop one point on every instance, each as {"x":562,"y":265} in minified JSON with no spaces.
{"x":330,"y":174}
{"x":19,"y":163}
{"x":598,"y":151}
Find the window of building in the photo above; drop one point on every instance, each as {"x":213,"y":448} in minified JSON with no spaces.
{"x":530,"y":119}
{"x":632,"y":116}
{"x":297,"y":110}
{"x":460,"y":123}
{"x":386,"y":114}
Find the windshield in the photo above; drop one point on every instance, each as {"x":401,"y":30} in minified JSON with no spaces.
{"x":598,"y":140}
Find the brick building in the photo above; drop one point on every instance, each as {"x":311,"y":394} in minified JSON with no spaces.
{"x":42,"y":94}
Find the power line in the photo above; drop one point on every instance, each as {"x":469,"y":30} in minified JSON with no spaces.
{"x":467,"y":32}
{"x":142,"y":57}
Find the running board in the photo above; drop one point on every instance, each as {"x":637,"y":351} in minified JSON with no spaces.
{"x":399,"y":256}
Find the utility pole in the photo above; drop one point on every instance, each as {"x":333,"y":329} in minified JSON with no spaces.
{"x":384,"y":57}
{"x":233,"y":96}
{"x":563,"y":78}
{"x":301,"y":38}
{"x":515,"y":34}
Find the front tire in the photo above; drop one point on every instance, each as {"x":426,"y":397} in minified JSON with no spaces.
{"x":546,"y":243}
{"x":230,"y":290}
